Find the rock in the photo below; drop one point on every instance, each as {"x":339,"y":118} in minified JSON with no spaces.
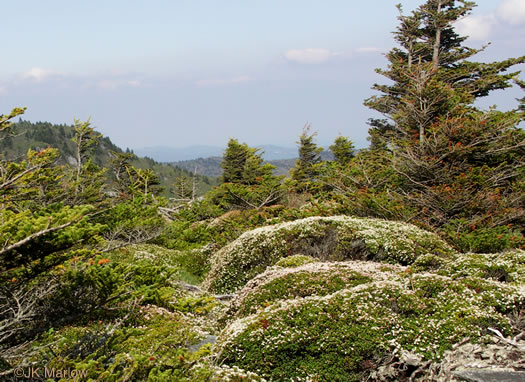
{"x":486,"y":355}
{"x":209,"y":339}
{"x":224,"y":297}
{"x":189,"y":287}
{"x":472,"y":375}
{"x":411,"y":359}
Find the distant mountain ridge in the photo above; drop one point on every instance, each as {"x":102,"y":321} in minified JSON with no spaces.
{"x":40,"y":135}
{"x":173,"y":154}
{"x":211,"y":166}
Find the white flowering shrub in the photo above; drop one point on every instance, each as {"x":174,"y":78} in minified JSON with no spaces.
{"x":346,"y":335}
{"x":312,"y":279}
{"x":295,"y":261}
{"x":335,"y":238}
{"x":507,"y":267}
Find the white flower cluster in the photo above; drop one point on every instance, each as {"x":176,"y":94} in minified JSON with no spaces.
{"x":509,"y":264}
{"x":402,"y":312}
{"x":419,"y":313}
{"x":235,"y":264}
{"x":225,"y":373}
{"x":318,"y":271}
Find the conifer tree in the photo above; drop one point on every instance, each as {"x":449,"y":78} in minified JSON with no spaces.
{"x":88,"y":178}
{"x":306,"y":169}
{"x":247,"y":182}
{"x":429,"y":64}
{"x":343,"y":150}
{"x":147,"y":182}
{"x":456,"y":165}
{"x":233,"y":161}
{"x":242,"y":164}
{"x":85,"y":140}
{"x":36,"y":223}
{"x":521,"y":84}
{"x":5,"y":120}
{"x":182,"y":187}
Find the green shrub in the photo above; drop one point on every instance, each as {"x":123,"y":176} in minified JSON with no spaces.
{"x":483,"y":239}
{"x":195,"y":262}
{"x":151,"y":345}
{"x":123,"y":317}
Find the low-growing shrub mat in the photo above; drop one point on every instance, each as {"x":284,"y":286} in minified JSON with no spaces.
{"x":345,"y":335}
{"x":302,"y":319}
{"x":311,"y":279}
{"x":335,"y":238}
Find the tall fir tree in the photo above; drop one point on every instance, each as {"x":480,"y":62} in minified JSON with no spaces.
{"x":343,"y":150}
{"x":243,"y":164}
{"x":247,"y":182}
{"x":458,"y":166}
{"x":306,"y":168}
{"x":89,"y":178}
{"x":431,"y":58}
{"x":233,"y":161}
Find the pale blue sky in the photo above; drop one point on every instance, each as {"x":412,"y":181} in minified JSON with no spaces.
{"x":178,"y":73}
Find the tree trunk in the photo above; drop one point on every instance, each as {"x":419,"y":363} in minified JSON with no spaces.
{"x":437,"y":38}
{"x":194,"y":184}
{"x":79,"y":161}
{"x":410,"y":48}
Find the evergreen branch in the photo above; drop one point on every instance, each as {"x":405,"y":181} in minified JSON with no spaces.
{"x":37,"y":235}
{"x":25,"y":172}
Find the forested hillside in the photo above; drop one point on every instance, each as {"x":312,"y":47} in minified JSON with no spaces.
{"x":40,"y":135}
{"x":211,"y":166}
{"x":404,"y":261}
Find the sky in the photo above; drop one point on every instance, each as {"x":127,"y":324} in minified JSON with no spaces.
{"x":178,"y":73}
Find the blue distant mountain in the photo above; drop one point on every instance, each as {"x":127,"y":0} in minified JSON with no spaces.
{"x":175,"y":154}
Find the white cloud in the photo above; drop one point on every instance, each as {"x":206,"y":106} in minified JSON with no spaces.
{"x":224,"y":81}
{"x":39,"y":74}
{"x":479,"y":27}
{"x":105,"y":81}
{"x":3,"y":91}
{"x":107,"y":84}
{"x":476,"y":27}
{"x":512,"y":11}
{"x":310,"y":55}
{"x":115,"y":83}
{"x":134,"y":83}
